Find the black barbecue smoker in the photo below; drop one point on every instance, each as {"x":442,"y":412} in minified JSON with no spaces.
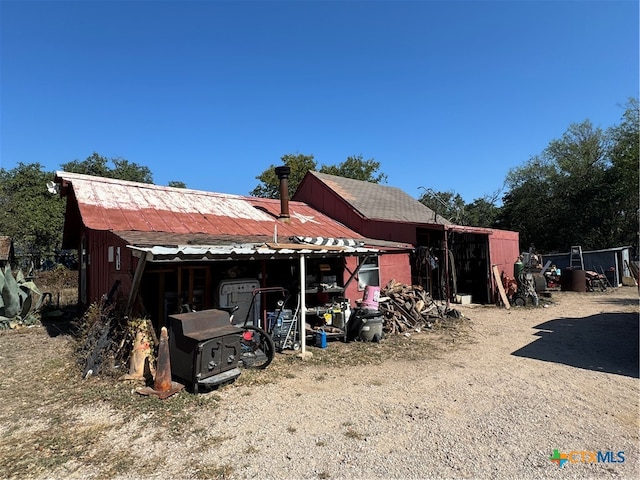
{"x":204,"y":348}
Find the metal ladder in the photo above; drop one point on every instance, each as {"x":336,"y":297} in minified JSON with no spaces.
{"x":576,"y":261}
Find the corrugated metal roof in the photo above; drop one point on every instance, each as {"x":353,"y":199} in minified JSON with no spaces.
{"x":116,"y":205}
{"x":380,"y":202}
{"x":231,"y":252}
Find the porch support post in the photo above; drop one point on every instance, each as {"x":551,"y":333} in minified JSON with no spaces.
{"x":135,"y":284}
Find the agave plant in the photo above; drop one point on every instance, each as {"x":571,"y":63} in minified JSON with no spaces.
{"x":19,"y":299}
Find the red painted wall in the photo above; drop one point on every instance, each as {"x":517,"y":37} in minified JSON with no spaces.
{"x":395,"y":266}
{"x":101,"y":273}
{"x":504,"y":248}
{"x":394,"y":231}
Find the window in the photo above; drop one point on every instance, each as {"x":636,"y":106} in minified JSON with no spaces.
{"x":369,"y":273}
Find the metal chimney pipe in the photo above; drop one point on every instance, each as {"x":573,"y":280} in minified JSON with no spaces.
{"x":283,"y":175}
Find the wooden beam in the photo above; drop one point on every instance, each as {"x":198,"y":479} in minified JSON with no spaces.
{"x":135,"y":284}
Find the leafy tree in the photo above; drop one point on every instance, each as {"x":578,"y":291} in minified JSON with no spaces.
{"x":29,"y":213}
{"x":176,"y":184}
{"x":482,"y":212}
{"x":356,"y":168}
{"x":352,"y":167}
{"x":622,"y":177}
{"x":270,"y":188}
{"x":97,"y":165}
{"x":449,"y":205}
{"x":581,"y":190}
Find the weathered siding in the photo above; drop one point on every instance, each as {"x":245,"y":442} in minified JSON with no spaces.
{"x":330,"y":203}
{"x":394,"y":231}
{"x":395,"y":267}
{"x":103,"y":271}
{"x":392,"y":267}
{"x":504,"y":249}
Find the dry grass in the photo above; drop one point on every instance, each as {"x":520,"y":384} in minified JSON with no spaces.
{"x":44,"y":402}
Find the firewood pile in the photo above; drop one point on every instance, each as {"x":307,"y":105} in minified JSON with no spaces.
{"x":407,"y":307}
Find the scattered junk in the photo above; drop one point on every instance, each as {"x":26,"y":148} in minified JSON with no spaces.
{"x":163,"y":386}
{"x":284,"y":328}
{"x":525,"y":287}
{"x":331,"y":320}
{"x":205,"y":348}
{"x":366,"y":321}
{"x":141,"y":365}
{"x":596,"y":281}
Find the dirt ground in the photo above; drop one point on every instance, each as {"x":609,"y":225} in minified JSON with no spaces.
{"x":493,"y":397}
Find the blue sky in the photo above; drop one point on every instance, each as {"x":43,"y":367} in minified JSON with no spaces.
{"x":445,"y":95}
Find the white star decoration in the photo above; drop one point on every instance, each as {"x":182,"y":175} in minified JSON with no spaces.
{"x":304,"y":218}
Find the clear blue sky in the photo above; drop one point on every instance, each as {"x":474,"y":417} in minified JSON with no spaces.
{"x":447,"y":95}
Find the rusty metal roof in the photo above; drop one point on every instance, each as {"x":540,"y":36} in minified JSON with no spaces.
{"x":121,"y":206}
{"x":379,"y":202}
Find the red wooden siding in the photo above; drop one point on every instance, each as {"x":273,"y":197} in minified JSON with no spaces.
{"x":101,"y":273}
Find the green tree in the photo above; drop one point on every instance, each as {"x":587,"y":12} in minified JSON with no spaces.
{"x":29,"y":213}
{"x":356,"y":168}
{"x":270,"y":188}
{"x":622,"y":177}
{"x":353,"y":167}
{"x":449,"y":205}
{"x":581,"y":190}
{"x":97,"y":165}
{"x":482,"y":212}
{"x":176,"y":184}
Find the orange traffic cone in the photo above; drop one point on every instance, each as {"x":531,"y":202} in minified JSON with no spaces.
{"x":163,"y":387}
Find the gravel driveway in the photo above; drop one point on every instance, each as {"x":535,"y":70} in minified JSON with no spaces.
{"x":494,"y":403}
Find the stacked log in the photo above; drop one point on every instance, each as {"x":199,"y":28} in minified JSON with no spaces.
{"x":407,"y":307}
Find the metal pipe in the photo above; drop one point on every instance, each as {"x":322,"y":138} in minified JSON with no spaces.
{"x":283,"y":175}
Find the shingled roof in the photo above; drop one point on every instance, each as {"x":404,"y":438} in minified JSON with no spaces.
{"x":380,"y":202}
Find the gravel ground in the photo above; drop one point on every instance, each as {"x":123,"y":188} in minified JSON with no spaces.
{"x":493,"y":403}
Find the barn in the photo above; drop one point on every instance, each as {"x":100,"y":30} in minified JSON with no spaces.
{"x":449,"y":260}
{"x":155,"y":249}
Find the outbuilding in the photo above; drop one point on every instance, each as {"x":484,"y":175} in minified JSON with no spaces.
{"x":7,"y":255}
{"x":450,"y":261}
{"x":154,"y":248}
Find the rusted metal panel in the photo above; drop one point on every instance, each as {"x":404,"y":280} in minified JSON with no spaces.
{"x":108,"y":204}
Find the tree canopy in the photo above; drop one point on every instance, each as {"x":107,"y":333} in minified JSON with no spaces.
{"x":353,"y":167}
{"x":34,"y":217}
{"x":97,"y":165}
{"x":581,"y":190}
{"x":29,"y":213}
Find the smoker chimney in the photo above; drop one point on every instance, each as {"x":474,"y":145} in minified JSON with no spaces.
{"x":283,"y":175}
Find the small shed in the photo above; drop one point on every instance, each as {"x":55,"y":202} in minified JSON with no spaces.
{"x":7,"y":255}
{"x":612,"y":262}
{"x":448,"y":259}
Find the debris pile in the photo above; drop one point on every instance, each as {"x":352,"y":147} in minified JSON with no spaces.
{"x":407,"y":307}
